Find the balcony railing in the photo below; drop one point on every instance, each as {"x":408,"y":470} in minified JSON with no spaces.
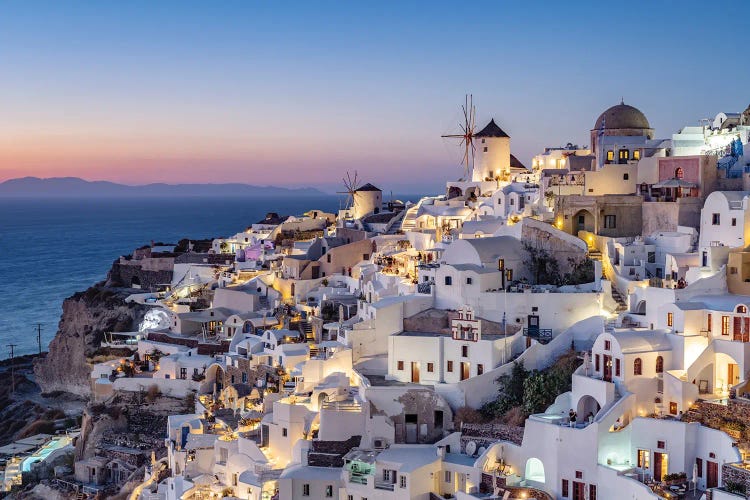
{"x":384,"y":485}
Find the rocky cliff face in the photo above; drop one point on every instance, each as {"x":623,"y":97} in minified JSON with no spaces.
{"x":86,"y":317}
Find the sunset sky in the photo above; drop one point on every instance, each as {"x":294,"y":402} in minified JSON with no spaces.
{"x":297,"y":93}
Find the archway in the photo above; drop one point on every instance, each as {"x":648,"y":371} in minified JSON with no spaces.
{"x":587,"y":405}
{"x":135,"y":282}
{"x":583,"y":220}
{"x":321,"y":399}
{"x":726,"y":373}
{"x":534,"y":470}
{"x":214,"y":381}
{"x":641,"y":307}
{"x":454,"y":192}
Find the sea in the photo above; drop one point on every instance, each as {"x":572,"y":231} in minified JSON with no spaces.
{"x":52,"y":248}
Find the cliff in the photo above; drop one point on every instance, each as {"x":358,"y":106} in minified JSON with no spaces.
{"x":86,"y":317}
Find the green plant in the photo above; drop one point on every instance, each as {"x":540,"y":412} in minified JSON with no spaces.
{"x":735,"y":487}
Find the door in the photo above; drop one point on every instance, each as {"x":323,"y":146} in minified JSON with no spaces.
{"x":579,"y":491}
{"x":415,"y":372}
{"x":608,"y":368}
{"x":661,"y":464}
{"x":737,"y":333}
{"x":712,"y":474}
{"x":733,"y":374}
{"x":464,"y":370}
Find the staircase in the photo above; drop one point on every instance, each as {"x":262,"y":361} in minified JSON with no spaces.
{"x":595,"y":254}
{"x":622,"y":305}
{"x":307,"y":330}
{"x":409,"y":222}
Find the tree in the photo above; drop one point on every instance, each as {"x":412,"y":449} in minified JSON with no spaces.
{"x":511,"y":392}
{"x":543,"y":267}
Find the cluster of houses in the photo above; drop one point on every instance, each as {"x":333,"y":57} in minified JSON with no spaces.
{"x":331,"y":354}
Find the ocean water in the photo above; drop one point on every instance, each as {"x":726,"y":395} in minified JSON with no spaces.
{"x":50,"y":249}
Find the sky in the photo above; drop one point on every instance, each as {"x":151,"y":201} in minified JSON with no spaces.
{"x":298,"y":93}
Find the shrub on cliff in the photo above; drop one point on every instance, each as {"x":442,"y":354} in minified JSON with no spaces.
{"x":153,"y":393}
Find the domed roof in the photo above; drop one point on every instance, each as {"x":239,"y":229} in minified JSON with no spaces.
{"x":622,"y":116}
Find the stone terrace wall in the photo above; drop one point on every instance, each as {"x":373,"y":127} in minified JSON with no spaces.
{"x":486,"y":434}
{"x":331,"y":453}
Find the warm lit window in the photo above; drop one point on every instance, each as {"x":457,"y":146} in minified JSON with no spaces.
{"x":670,"y":319}
{"x":637,"y":367}
{"x":637,"y":154}
{"x":610,"y":155}
{"x":644,"y":459}
{"x":624,"y":154}
{"x":659,"y":364}
{"x":400,"y":365}
{"x":672,"y":408}
{"x":725,"y":325}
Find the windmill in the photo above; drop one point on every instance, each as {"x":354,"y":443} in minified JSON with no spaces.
{"x":351,"y":184}
{"x":467,"y":135}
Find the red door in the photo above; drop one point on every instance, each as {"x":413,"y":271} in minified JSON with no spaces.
{"x":579,"y":491}
{"x":712,"y":474}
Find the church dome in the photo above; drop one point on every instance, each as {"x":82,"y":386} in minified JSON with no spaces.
{"x":622,"y":116}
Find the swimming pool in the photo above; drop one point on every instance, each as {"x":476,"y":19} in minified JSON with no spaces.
{"x":42,"y":453}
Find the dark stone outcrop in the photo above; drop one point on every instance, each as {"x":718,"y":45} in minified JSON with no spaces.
{"x":86,"y":317}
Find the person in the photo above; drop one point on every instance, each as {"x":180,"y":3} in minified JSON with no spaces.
{"x":618,"y":424}
{"x":572,"y":418}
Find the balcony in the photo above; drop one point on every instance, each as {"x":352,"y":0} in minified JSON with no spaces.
{"x":384,"y":485}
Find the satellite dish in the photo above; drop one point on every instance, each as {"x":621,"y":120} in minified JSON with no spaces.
{"x":481,"y":450}
{"x":471,"y":448}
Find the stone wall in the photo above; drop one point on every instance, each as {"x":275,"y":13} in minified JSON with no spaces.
{"x":134,"y":274}
{"x":730,"y":473}
{"x":487,"y":434}
{"x":331,"y":453}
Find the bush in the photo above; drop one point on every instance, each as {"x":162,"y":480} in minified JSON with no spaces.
{"x":466,"y":415}
{"x":735,"y":487}
{"x":153,"y":393}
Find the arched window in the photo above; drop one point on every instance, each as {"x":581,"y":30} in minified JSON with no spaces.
{"x":741,"y":309}
{"x":678,"y":173}
{"x":637,"y":367}
{"x":659,"y":364}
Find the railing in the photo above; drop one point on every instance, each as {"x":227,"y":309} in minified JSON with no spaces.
{"x":358,"y":479}
{"x":541,"y":335}
{"x":382,"y":485}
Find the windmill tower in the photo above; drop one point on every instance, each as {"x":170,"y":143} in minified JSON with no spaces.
{"x":467,"y":136}
{"x":361,"y":200}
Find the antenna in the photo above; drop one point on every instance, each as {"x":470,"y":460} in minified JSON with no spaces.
{"x":12,"y":371}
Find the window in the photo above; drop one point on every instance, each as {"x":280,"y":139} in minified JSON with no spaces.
{"x":328,"y":257}
{"x":329,"y":491}
{"x":592,"y":492}
{"x":448,"y":280}
{"x":512,"y":201}
{"x":349,"y":497}
{"x":670,"y":319}
{"x":579,"y":474}
{"x":399,"y":365}
{"x":485,"y":149}
{"x":244,"y":378}
{"x":625,"y":177}
{"x":678,"y":173}
{"x":430,"y":367}
{"x":624,"y":154}
{"x":464,"y":351}
{"x":305,"y":490}
{"x":637,"y":154}
{"x":716,"y":219}
{"x":448,"y":477}
{"x":659,"y":364}
{"x":637,"y":367}
{"x":725,"y":325}
{"x":644,"y":459}
{"x":596,"y":362}
{"x":741,"y":309}
{"x":402,"y":481}
{"x":450,"y":366}
{"x":610,"y":155}
{"x":607,"y":345}
{"x":732,"y":270}
{"x":699,"y":464}
{"x":468,"y":281}
{"x":734,"y":221}
{"x":183,"y":373}
{"x":284,"y":432}
{"x":661,"y":445}
{"x":480,"y":369}
{"x":672,"y":408}
{"x":610,"y":222}
{"x":617,"y":367}
{"x":565,"y":491}
{"x":709,"y":323}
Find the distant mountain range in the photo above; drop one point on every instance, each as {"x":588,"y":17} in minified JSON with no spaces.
{"x":74,"y":187}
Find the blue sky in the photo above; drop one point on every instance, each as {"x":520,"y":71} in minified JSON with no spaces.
{"x":298,"y":93}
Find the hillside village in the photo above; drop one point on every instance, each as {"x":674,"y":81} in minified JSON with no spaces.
{"x":576,"y":328}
